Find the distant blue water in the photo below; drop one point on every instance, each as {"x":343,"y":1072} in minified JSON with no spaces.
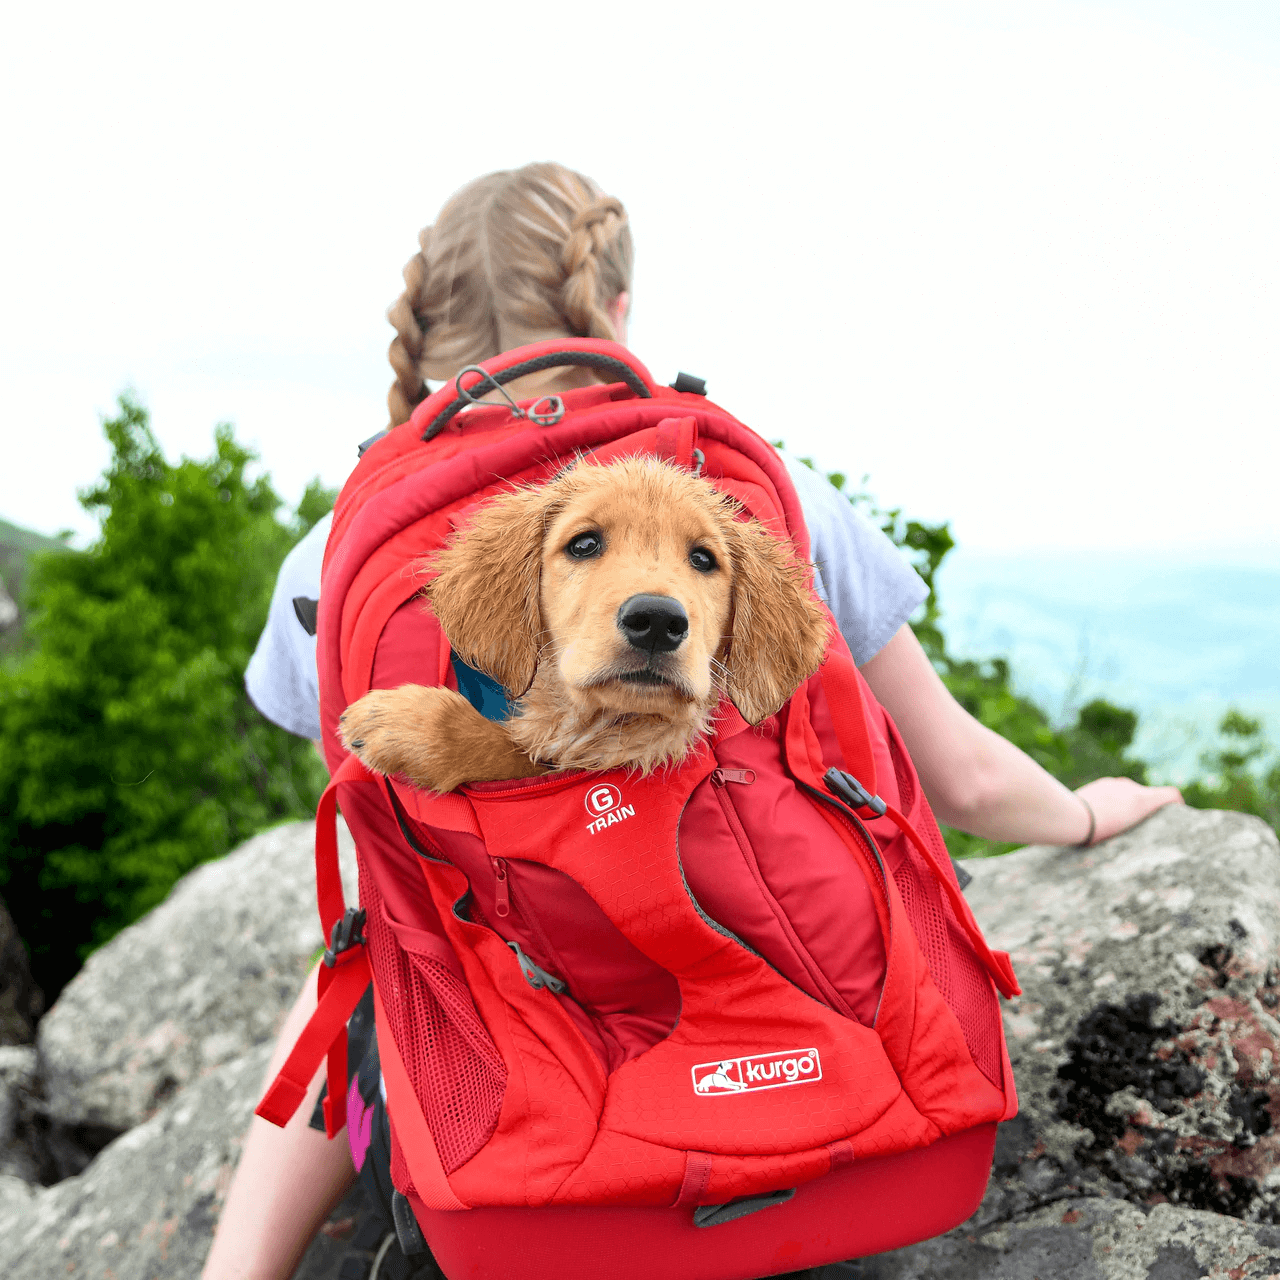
{"x":1177,"y":643}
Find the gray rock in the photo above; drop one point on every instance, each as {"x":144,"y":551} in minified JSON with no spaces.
{"x":1146,"y":1042}
{"x":21,"y":1001}
{"x":1091,"y":1239}
{"x":202,"y":979}
{"x":17,"y":1088}
{"x":1144,"y":1047}
{"x":147,"y":1206}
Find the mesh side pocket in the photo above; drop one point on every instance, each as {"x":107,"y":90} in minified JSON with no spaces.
{"x":456,"y":1072}
{"x":961,"y":980}
{"x":973,"y":1000}
{"x":920,"y":896}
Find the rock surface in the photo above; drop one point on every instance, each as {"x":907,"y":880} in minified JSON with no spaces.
{"x":202,"y":979}
{"x":146,"y":1207}
{"x":1145,"y":1043}
{"x":1144,"y":1046}
{"x":1092,"y":1239}
{"x":21,"y":1001}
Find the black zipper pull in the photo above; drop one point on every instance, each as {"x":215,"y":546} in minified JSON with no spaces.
{"x":502,"y":891}
{"x":721,"y":776}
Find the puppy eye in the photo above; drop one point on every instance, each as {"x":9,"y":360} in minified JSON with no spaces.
{"x":702,"y":559}
{"x":585,"y":545}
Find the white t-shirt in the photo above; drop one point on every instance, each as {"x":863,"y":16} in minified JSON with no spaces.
{"x":864,"y":579}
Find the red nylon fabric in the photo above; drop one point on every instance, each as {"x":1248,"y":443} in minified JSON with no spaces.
{"x":583,"y":1102}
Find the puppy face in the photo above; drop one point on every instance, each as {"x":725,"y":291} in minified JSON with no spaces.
{"x":637,"y":588}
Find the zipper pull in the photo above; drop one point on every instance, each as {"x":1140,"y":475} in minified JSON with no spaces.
{"x":720,"y":776}
{"x":535,"y":975}
{"x":502,"y":894}
{"x":852,"y":792}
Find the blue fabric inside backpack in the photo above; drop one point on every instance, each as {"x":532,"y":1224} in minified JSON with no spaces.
{"x":484,"y":693}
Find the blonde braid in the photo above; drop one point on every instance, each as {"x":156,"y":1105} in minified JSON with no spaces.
{"x":514,"y":257}
{"x":406,"y":315}
{"x":592,"y":234}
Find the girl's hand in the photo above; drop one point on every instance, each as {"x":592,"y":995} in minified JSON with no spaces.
{"x":1121,"y":803}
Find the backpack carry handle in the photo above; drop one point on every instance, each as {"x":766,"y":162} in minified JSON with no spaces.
{"x":609,"y":358}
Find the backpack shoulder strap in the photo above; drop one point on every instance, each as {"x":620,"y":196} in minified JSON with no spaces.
{"x":344,"y":976}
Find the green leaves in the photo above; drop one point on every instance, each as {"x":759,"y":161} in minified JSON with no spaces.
{"x":1242,"y":772}
{"x":129,"y":752}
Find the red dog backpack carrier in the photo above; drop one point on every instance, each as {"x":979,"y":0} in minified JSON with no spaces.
{"x":735,"y":1017}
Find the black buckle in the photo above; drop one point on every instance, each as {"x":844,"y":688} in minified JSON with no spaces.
{"x":852,"y":792}
{"x":345,"y":935}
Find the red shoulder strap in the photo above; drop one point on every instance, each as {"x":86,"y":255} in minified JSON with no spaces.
{"x":343,"y":977}
{"x":842,"y":684}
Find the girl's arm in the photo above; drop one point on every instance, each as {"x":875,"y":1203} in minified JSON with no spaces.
{"x":286,"y":1182}
{"x":980,"y":782}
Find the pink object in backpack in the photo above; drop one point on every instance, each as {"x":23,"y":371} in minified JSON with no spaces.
{"x":737,"y":1016}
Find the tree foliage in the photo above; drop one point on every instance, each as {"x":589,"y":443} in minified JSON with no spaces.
{"x":1242,"y":772}
{"x":129,"y":752}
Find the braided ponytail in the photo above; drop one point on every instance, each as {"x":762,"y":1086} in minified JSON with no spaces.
{"x":515,"y":257}
{"x":406,"y":347}
{"x":592,"y":235}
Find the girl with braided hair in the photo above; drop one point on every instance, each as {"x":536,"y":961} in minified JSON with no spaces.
{"x":525,"y":256}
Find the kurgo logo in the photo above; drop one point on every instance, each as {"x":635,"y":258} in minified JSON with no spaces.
{"x":761,"y":1071}
{"x":604,"y":804}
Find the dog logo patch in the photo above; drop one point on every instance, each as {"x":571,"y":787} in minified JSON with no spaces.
{"x":604,"y":803}
{"x":760,"y":1071}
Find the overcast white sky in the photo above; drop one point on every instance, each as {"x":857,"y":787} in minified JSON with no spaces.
{"x":1018,"y":261}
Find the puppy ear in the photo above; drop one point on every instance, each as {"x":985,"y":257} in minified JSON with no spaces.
{"x":779,"y":629}
{"x":485,"y":592}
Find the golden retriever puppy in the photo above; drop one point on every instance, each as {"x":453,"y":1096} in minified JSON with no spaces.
{"x":617,"y":604}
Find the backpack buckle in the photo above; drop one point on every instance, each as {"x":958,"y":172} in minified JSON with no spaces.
{"x":345,"y":934}
{"x":852,"y":792}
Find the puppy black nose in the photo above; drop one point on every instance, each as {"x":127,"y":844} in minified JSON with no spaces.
{"x":656,"y":624}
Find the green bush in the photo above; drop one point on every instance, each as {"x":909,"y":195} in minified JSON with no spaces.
{"x":1242,"y":772}
{"x":129,"y":752}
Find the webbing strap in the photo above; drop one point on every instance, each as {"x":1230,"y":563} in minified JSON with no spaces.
{"x":676,"y":439}
{"x":338,"y":988}
{"x":997,"y":963}
{"x":697,"y":1177}
{"x":329,"y":897}
{"x":412,"y":1131}
{"x":842,"y":686}
{"x":347,"y":983}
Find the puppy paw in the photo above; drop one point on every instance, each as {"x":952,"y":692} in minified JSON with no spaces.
{"x":416,"y":732}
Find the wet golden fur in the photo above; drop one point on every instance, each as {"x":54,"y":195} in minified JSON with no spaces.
{"x":515,"y":605}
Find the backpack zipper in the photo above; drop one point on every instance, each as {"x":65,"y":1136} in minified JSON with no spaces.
{"x":502,"y":889}
{"x":505,"y":900}
{"x":697,"y":906}
{"x":474,"y":915}
{"x":529,"y":786}
{"x":720,"y":778}
{"x":852,"y":820}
